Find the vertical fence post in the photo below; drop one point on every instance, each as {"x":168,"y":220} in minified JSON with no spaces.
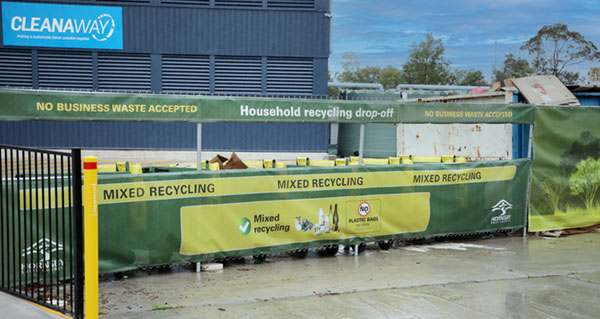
{"x":361,"y":143}
{"x":90,"y":204}
{"x":199,"y":146}
{"x":77,"y":230}
{"x":530,"y":157}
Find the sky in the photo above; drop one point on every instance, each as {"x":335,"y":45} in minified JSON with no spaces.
{"x":476,"y":34}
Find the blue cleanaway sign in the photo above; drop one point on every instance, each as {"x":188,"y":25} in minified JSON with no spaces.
{"x":62,"y":26}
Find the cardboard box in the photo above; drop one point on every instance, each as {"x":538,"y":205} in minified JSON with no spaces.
{"x":220,"y":160}
{"x":235,"y":162}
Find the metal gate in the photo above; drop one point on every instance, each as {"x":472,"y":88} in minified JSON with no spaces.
{"x":41,"y":234}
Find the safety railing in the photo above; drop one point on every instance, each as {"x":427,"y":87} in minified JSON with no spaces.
{"x":41,"y":251}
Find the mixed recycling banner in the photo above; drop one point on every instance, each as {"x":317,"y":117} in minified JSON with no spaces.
{"x":566,"y":168}
{"x":158,"y":218}
{"x":48,"y":105}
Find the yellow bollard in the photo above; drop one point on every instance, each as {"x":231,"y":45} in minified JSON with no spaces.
{"x":90,"y":231}
{"x":214,"y":166}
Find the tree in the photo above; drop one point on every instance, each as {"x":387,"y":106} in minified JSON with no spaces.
{"x":390,"y":77}
{"x":586,"y":181}
{"x":467,"y":77}
{"x":354,"y":73}
{"x":350,"y":65}
{"x":426,"y":64}
{"x":554,"y":189}
{"x":586,"y":146}
{"x":332,"y":92}
{"x":554,"y":49}
{"x":368,"y":74}
{"x":514,"y":67}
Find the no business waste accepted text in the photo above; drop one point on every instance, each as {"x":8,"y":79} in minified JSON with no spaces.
{"x":115,"y":108}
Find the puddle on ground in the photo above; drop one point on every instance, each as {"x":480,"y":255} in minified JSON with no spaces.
{"x":449,"y":246}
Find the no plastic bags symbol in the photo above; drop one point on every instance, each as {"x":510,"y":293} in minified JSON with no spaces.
{"x":363,"y":209}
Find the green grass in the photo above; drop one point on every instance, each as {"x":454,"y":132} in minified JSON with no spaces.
{"x":572,"y":218}
{"x":161,"y":307}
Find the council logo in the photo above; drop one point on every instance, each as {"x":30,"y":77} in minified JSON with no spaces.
{"x":45,"y":249}
{"x":244,"y":226}
{"x":501,"y":206}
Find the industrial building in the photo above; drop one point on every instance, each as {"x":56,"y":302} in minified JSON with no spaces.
{"x":267,"y":48}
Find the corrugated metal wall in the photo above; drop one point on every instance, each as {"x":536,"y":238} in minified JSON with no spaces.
{"x":259,"y":137}
{"x":16,"y":68}
{"x":226,"y":32}
{"x":185,"y":73}
{"x":247,"y":47}
{"x":588,"y":98}
{"x":380,"y":139}
{"x":58,"y":69}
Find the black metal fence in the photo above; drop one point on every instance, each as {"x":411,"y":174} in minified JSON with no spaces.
{"x":41,"y":227}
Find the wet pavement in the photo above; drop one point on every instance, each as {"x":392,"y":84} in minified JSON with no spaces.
{"x":499,"y":277}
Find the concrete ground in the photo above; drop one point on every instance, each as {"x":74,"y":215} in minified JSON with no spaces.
{"x":12,"y":307}
{"x":498,"y":277}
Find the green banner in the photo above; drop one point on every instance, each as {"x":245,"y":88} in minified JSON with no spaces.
{"x":48,"y":105}
{"x":565,"y":169}
{"x":156,"y":219}
{"x":466,"y":113}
